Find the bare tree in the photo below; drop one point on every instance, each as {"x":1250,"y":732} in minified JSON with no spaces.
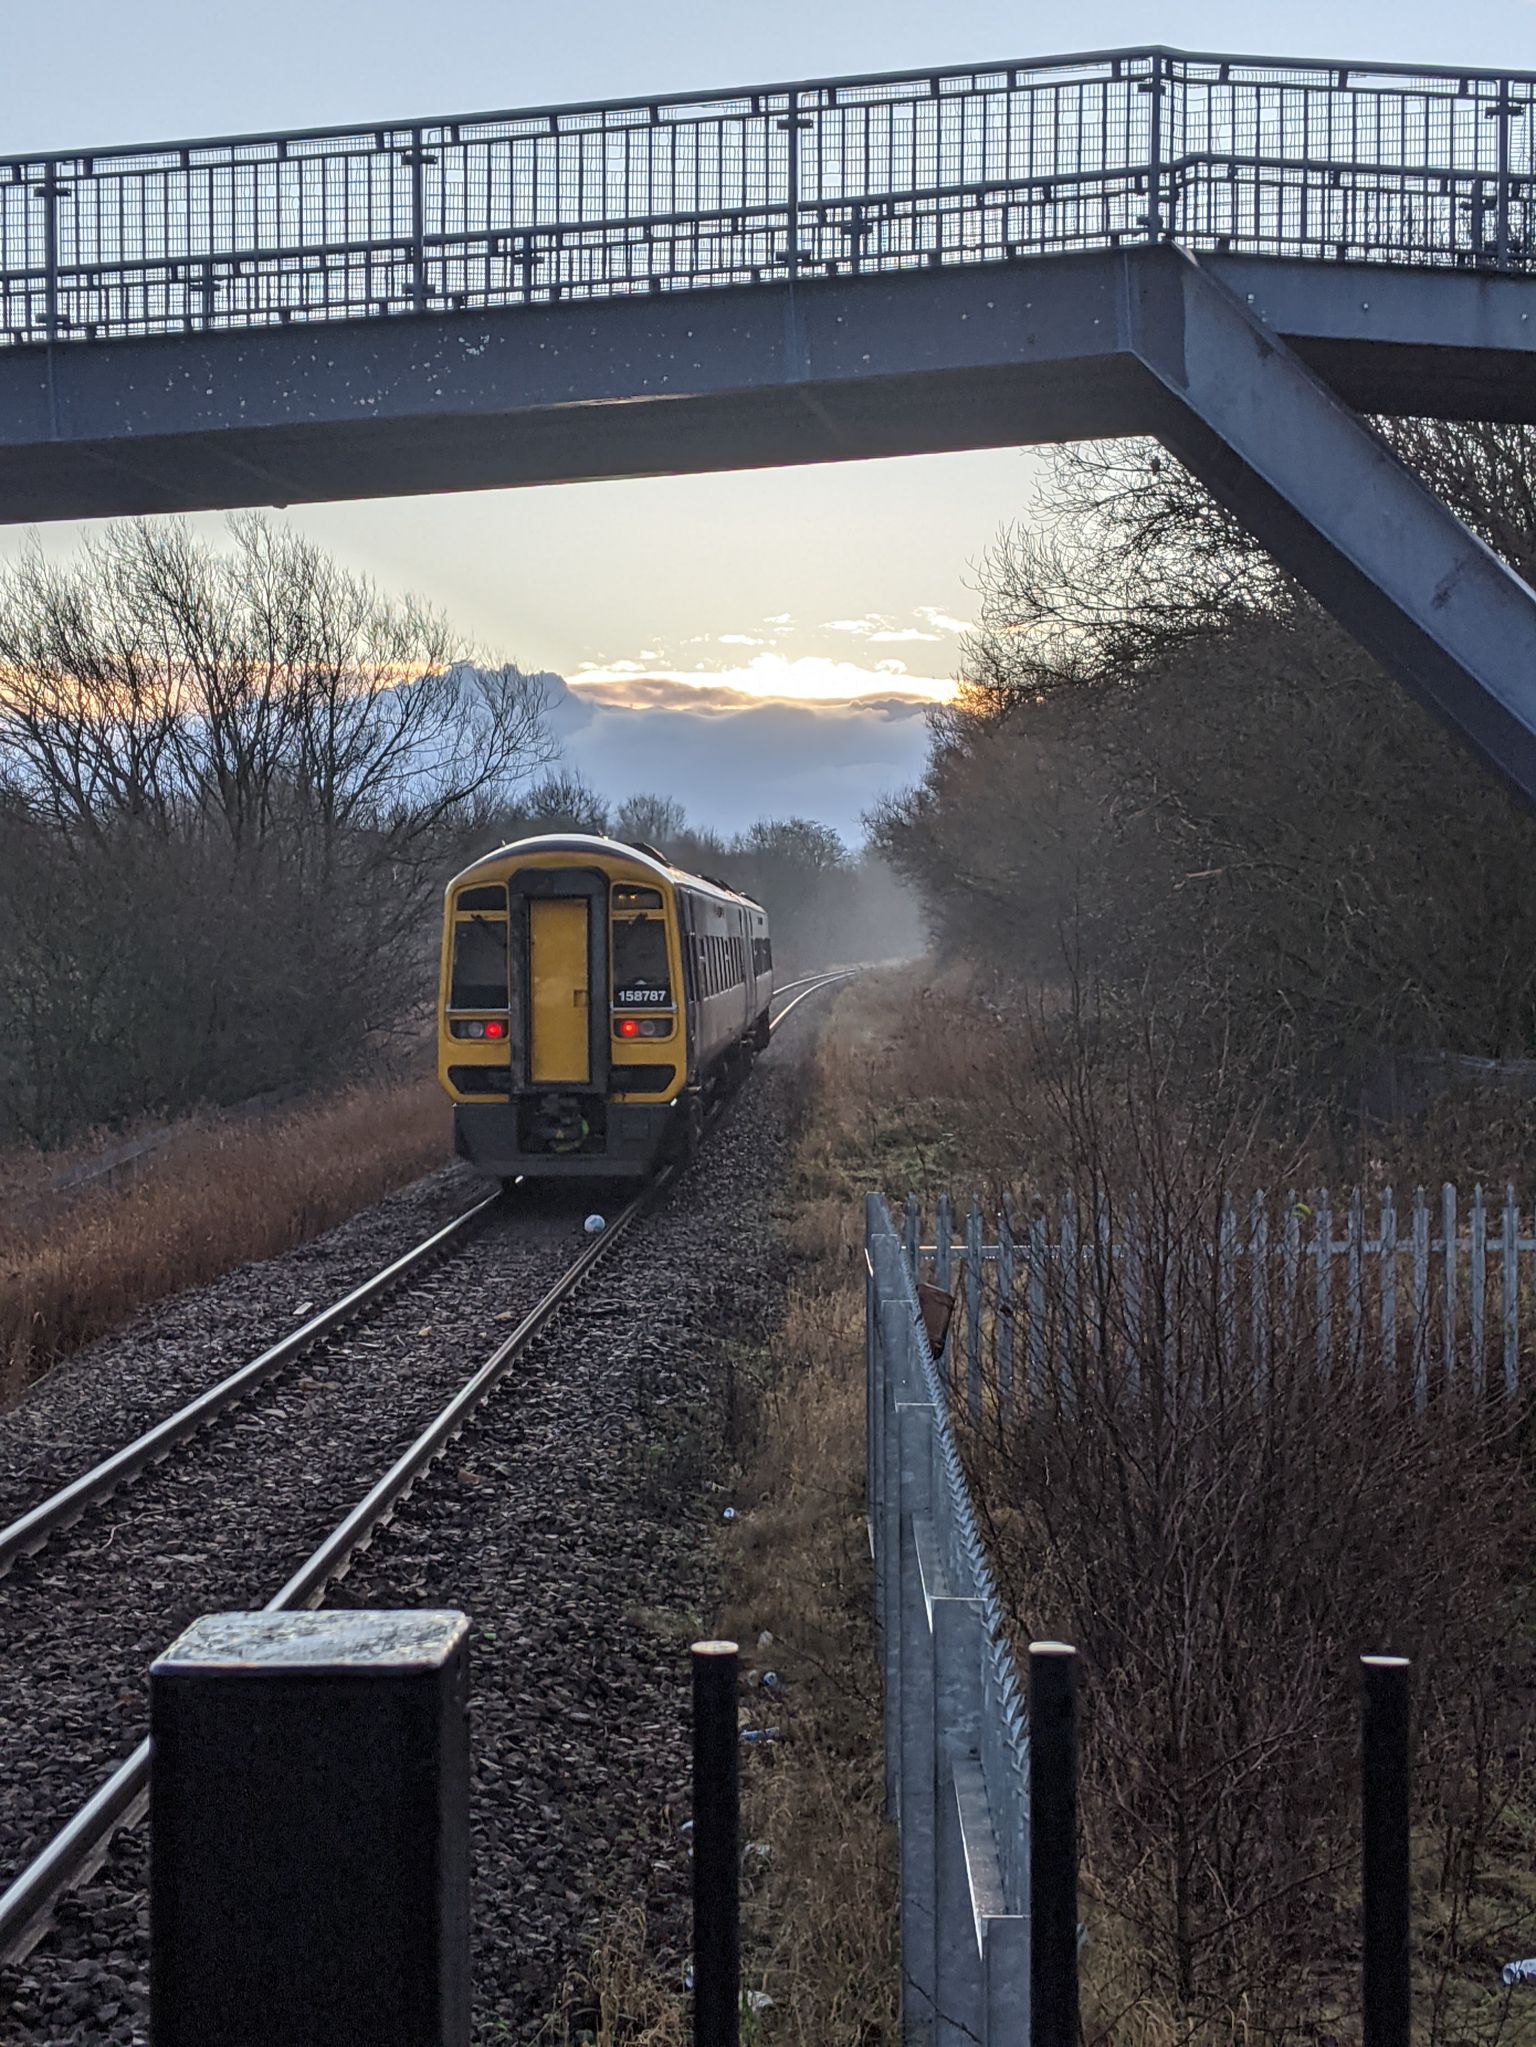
{"x":232,"y":777}
{"x":1168,"y":751}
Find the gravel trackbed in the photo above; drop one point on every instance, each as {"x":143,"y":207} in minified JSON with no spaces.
{"x":573,"y":1521}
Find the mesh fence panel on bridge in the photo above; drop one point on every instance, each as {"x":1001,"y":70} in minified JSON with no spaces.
{"x":834,"y":178}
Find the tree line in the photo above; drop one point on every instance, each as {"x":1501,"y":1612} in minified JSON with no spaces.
{"x":827,"y":905}
{"x":233,"y":781}
{"x":1170,"y":770}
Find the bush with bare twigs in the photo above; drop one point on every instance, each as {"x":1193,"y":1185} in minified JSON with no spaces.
{"x":1222,"y":1513}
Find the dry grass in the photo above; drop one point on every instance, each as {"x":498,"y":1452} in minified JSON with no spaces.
{"x":234,"y":1192}
{"x":936,"y":1089}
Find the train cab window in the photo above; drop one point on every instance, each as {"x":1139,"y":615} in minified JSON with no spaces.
{"x":636,"y":899}
{"x":641,"y":975}
{"x":479,"y":963}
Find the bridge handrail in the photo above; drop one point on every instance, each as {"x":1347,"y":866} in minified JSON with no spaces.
{"x":1387,"y":163}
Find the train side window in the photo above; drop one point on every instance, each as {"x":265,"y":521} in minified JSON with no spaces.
{"x":479,"y":978}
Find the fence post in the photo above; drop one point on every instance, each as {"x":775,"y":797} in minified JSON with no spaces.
{"x":1071,"y":1274}
{"x":1420,"y":1299}
{"x":959,"y":1986}
{"x":1448,"y":1247}
{"x":973,"y":1314}
{"x":309,"y":1831}
{"x":1385,"y":1984}
{"x":1388,"y":1277}
{"x":1291,"y":1261}
{"x":911,"y":1223}
{"x":941,"y":1242}
{"x":1511,"y":1294}
{"x":920,"y":1576}
{"x":1155,"y":153}
{"x":716,"y":1848}
{"x":1477,"y":1291}
{"x":1037,"y":1329}
{"x":1052,"y":1845}
{"x":1258,"y":1286}
{"x":1356,"y":1254}
{"x":1005,"y":1339}
{"x":871,"y":1391}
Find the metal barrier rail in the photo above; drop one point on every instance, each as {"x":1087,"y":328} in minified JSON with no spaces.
{"x":1339,"y":162}
{"x":956,"y":1764}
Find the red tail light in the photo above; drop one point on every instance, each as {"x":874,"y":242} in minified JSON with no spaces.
{"x":495,"y":1030}
{"x":629,"y":1027}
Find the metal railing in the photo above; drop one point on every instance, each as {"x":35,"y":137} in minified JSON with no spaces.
{"x":847,"y":176}
{"x":956,"y":1761}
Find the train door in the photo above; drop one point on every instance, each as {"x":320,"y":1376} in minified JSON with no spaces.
{"x":559,"y":991}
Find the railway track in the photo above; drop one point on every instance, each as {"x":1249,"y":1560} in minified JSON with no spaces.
{"x":78,"y":1848}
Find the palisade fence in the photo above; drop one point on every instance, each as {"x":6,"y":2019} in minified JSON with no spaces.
{"x":1163,"y":1310}
{"x":1424,"y":1298}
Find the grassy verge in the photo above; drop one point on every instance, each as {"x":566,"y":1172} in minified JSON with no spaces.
{"x":928,"y":1089}
{"x":232,"y":1193}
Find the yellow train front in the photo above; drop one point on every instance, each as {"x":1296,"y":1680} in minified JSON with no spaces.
{"x":592,"y":999}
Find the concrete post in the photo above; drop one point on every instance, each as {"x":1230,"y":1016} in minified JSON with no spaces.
{"x":309,"y":1832}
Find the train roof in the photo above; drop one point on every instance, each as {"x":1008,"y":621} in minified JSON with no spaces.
{"x":592,"y":845}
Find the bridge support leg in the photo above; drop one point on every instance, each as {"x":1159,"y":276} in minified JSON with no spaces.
{"x":1338,"y":510}
{"x":309,"y":1829}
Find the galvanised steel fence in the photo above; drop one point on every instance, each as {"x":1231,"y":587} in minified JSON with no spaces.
{"x":1372,"y":163}
{"x":956,"y":1762}
{"x":1426,"y":1294}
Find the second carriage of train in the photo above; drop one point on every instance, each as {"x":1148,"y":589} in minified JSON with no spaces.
{"x":592,"y":998}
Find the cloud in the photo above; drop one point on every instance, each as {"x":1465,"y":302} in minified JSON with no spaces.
{"x":807,"y":679}
{"x":875,"y":627}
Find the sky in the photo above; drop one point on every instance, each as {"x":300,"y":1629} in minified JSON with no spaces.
{"x":755,"y":643}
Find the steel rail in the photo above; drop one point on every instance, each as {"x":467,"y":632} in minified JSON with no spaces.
{"x":826,"y":981}
{"x":80,"y":1846}
{"x":60,"y":1509}
{"x":77,"y":1849}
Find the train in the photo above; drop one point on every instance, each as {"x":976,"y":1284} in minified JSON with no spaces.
{"x":593,"y":999}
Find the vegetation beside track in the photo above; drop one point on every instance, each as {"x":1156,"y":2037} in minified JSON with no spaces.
{"x":227,"y":1194}
{"x":1404,"y":1537}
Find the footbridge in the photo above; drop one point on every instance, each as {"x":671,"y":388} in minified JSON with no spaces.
{"x":1240,"y":256}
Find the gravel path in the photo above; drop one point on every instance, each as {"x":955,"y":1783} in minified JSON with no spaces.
{"x":573,"y":1521}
